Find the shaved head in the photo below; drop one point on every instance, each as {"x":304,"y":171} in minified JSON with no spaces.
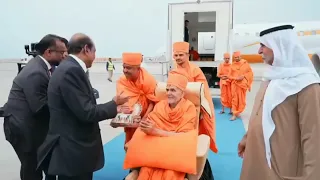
{"x":82,"y":46}
{"x":78,"y":36}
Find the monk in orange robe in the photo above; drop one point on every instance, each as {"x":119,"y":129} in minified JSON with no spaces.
{"x":241,"y":76}
{"x":169,"y":117}
{"x":225,"y":83}
{"x":137,"y":84}
{"x":207,"y":123}
{"x":195,"y":55}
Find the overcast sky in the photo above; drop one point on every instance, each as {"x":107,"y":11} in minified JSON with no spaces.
{"x":122,"y":25}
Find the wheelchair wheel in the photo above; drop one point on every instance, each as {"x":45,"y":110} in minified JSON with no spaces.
{"x":207,"y":172}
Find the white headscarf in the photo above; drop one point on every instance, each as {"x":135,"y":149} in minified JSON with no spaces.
{"x":291,"y":71}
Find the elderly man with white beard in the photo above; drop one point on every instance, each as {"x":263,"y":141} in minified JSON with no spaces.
{"x":282,"y":142}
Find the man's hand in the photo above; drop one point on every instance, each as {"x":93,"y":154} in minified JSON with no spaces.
{"x":125,"y":110}
{"x":240,"y":78}
{"x":242,"y":146}
{"x":119,"y":109}
{"x":148,"y":127}
{"x":144,"y":118}
{"x":121,"y":99}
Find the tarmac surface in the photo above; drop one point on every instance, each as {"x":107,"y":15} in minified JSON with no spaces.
{"x":9,"y":163}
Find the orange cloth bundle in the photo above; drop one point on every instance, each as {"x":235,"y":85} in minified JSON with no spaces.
{"x":177,"y":153}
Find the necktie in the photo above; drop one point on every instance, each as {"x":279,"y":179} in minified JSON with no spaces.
{"x":51,"y":70}
{"x":87,"y":72}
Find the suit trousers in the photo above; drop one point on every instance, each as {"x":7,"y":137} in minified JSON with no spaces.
{"x":28,"y":169}
{"x":28,"y":160}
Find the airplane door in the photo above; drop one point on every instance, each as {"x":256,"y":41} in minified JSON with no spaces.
{"x":223,"y":11}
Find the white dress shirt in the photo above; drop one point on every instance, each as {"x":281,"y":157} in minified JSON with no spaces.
{"x":81,"y":63}
{"x":47,"y":63}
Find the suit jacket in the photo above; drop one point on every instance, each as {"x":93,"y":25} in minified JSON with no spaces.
{"x":26,"y":112}
{"x":73,"y":145}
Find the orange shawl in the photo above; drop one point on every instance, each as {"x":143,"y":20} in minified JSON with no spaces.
{"x":180,"y":119}
{"x":241,"y":68}
{"x":223,"y":70}
{"x":142,"y":91}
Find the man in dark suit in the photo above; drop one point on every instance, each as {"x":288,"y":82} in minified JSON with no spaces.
{"x":26,"y":114}
{"x":73,"y":146}
{"x":186,"y":31}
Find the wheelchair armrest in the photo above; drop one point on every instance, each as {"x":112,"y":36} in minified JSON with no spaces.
{"x":203,"y":145}
{"x":202,"y":153}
